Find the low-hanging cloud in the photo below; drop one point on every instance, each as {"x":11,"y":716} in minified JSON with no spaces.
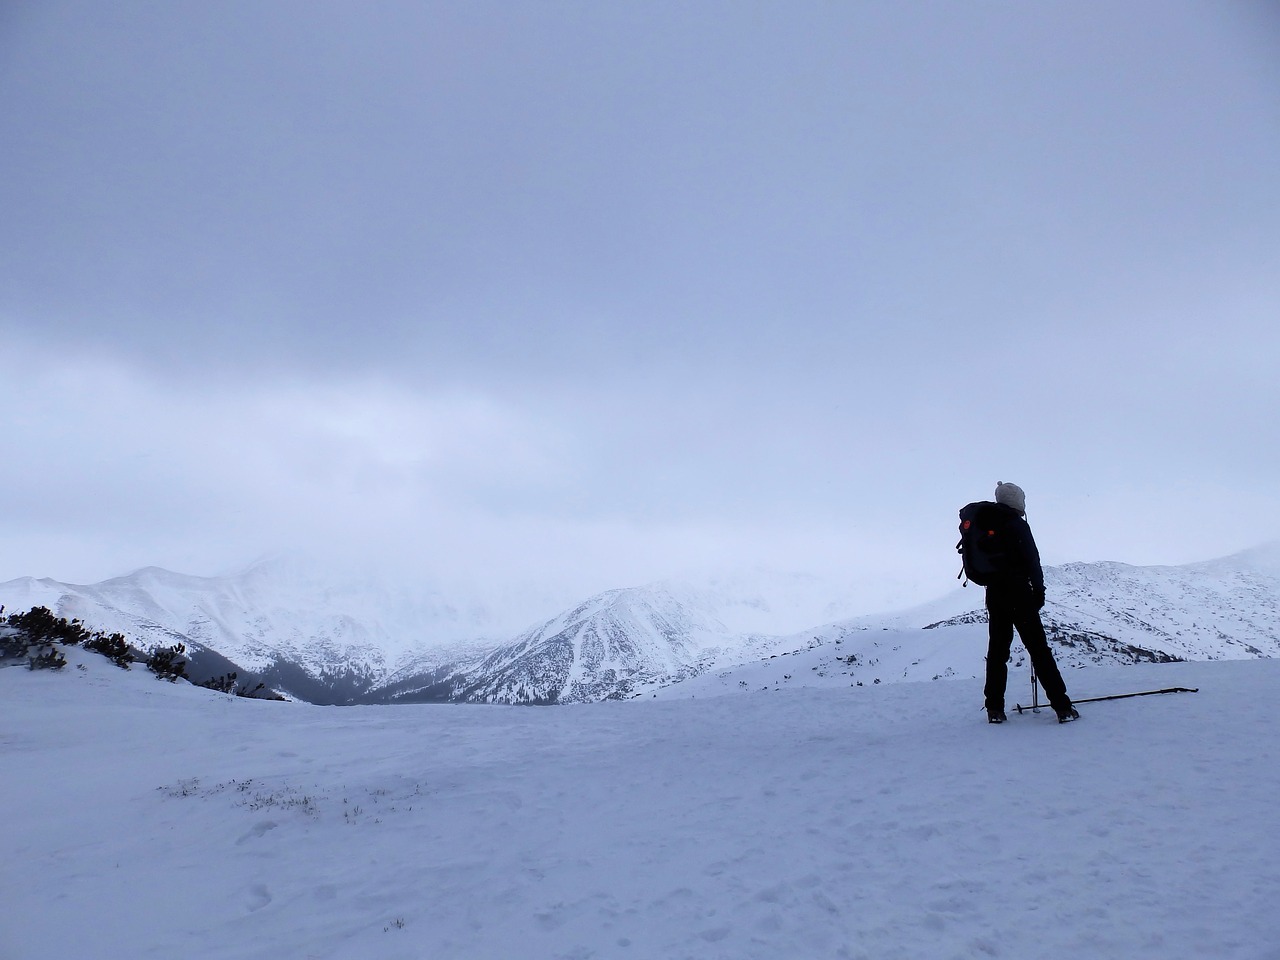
{"x":596,"y":294}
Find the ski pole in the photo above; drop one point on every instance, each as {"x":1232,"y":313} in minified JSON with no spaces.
{"x":1144,"y":693}
{"x":1116,"y":696}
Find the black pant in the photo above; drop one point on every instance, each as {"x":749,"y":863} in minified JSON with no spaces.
{"x":1007,"y":608}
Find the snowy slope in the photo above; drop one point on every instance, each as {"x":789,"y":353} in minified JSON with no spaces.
{"x":843,"y":657}
{"x":154,"y":821}
{"x":1098,"y":613}
{"x":1223,"y":608}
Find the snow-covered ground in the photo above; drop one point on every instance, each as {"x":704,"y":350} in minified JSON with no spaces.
{"x":149,"y":820}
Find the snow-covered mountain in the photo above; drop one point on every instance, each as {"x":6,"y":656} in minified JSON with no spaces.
{"x":1097,"y":614}
{"x":317,"y":637}
{"x":360,"y":641}
{"x":1215,"y":609}
{"x":336,"y":640}
{"x":598,"y":650}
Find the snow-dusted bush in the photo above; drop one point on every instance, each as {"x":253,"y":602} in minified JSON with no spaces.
{"x":168,"y":663}
{"x":32,"y":635}
{"x":45,"y":656}
{"x":223,"y":684}
{"x":114,"y":647}
{"x":12,"y":644}
{"x":229,"y":683}
{"x":41,"y":626}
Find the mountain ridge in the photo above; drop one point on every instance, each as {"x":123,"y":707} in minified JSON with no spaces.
{"x":362,"y":642}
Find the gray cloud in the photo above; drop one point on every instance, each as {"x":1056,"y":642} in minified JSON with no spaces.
{"x":634,"y":287}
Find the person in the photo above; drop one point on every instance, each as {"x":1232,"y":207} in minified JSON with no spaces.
{"x":1014,"y":601}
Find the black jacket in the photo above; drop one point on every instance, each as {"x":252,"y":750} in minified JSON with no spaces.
{"x":1024,"y":557}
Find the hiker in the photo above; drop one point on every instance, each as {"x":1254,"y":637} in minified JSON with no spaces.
{"x":1014,"y":598}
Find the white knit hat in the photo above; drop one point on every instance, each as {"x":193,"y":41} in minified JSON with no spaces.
{"x":1011,"y":495}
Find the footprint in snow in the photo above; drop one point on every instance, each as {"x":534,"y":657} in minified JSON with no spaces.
{"x":552,"y":918}
{"x":259,"y":897}
{"x":259,"y":830}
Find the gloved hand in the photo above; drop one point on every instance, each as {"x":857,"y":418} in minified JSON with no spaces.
{"x":1040,"y":598}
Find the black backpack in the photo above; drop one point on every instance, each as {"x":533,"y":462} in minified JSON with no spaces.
{"x":985,"y":543}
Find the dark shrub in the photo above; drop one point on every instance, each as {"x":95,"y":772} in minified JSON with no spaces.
{"x":167,"y":663}
{"x":113,"y":647}
{"x":46,"y":656}
{"x":41,"y":626}
{"x":223,"y":684}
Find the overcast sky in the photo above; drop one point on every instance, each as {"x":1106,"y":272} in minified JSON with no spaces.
{"x":602,"y":292}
